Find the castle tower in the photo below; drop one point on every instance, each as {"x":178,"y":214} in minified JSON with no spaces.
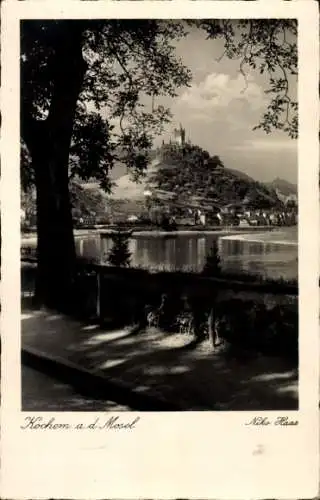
{"x":179,"y":135}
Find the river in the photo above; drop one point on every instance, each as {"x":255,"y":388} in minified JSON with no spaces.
{"x":271,"y":254}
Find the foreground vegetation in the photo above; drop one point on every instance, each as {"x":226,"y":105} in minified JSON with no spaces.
{"x":257,"y":318}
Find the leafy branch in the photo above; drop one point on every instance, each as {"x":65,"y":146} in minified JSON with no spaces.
{"x":270,"y":47}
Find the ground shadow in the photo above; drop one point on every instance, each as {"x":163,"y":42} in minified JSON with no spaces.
{"x":173,"y":367}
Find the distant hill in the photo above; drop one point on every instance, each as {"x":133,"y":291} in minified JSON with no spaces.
{"x":285,"y":187}
{"x":284,"y":190}
{"x":126,"y":188}
{"x":87,"y":199}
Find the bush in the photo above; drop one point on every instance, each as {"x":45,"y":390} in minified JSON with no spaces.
{"x":252,"y":325}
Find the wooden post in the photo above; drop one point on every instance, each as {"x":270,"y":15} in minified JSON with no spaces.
{"x":98,"y":308}
{"x":211,"y":327}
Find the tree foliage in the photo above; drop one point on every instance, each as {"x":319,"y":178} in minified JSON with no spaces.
{"x":87,"y":202}
{"x":128,"y":65}
{"x":185,"y":167}
{"x":188,"y":155}
{"x":268,"y":47}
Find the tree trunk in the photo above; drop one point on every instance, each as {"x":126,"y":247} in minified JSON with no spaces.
{"x":49,"y":143}
{"x":56,"y":249}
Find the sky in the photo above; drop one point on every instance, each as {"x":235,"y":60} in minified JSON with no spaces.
{"x":219,"y":113}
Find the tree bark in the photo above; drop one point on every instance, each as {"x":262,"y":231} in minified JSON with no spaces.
{"x":49,"y":143}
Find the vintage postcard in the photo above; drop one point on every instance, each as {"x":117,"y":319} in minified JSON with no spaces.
{"x":160,"y":250}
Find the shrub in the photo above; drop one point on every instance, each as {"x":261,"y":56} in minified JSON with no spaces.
{"x":119,"y":255}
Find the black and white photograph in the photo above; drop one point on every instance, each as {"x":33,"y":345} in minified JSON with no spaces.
{"x":159,"y":214}
{"x":159,"y":250}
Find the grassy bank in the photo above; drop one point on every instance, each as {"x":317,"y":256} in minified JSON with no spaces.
{"x":258,"y":317}
{"x":174,"y":274}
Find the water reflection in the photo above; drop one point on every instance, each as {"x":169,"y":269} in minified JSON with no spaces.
{"x":201,"y":252}
{"x":189,"y":252}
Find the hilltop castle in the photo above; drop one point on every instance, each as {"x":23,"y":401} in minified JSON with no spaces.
{"x":179,"y":136}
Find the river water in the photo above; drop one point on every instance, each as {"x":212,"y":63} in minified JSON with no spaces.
{"x":271,"y":254}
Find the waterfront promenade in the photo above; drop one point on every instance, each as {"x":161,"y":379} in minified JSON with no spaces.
{"x":157,"y":364}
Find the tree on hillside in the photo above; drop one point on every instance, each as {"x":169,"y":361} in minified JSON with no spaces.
{"x":84,"y":85}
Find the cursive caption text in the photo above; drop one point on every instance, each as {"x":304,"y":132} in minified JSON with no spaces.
{"x":98,"y":424}
{"x":278,"y":421}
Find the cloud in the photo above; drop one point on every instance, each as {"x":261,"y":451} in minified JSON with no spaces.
{"x":268,"y":144}
{"x":219,"y":90}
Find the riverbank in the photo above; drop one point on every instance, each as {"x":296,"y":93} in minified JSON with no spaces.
{"x":30,"y":239}
{"x":224,"y":230}
{"x":259,"y":238}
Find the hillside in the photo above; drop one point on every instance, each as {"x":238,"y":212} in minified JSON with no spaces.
{"x":89,"y":199}
{"x":223,"y":186}
{"x":194,"y":173}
